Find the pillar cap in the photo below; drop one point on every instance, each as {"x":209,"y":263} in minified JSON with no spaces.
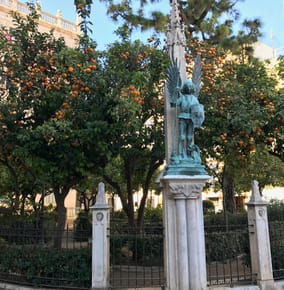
{"x":256,"y":198}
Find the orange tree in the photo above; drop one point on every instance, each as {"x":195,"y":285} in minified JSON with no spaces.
{"x":203,"y":20}
{"x":133,"y":74}
{"x":56,"y":121}
{"x":240,"y":103}
{"x":276,"y":147}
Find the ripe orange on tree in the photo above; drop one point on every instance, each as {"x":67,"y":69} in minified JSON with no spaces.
{"x":70,"y":69}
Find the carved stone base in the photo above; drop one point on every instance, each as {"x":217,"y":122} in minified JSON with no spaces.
{"x":185,"y":265}
{"x":184,"y":186}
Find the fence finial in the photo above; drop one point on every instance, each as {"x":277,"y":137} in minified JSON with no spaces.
{"x":255,"y":194}
{"x":101,"y":199}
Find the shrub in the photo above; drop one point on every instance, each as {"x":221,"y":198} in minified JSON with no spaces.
{"x":208,"y":207}
{"x":231,"y":220}
{"x":275,"y":210}
{"x":119,"y":214}
{"x":153,"y":214}
{"x":47,"y":266}
{"x":83,"y":227}
{"x":221,"y":246}
{"x":137,"y":249}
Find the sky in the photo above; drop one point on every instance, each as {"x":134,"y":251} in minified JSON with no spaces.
{"x":270,"y":12}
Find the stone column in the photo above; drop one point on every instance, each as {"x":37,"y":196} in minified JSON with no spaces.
{"x":184,"y":254}
{"x":259,"y":240}
{"x":100,"y":241}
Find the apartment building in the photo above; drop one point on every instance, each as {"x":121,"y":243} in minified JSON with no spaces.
{"x":62,"y":27}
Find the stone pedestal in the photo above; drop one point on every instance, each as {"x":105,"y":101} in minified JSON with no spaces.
{"x":100,"y":241}
{"x":259,"y":240}
{"x":185,"y":262}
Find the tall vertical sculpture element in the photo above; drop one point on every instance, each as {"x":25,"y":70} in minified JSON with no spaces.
{"x":175,"y":42}
{"x":184,"y":113}
{"x":185,"y":176}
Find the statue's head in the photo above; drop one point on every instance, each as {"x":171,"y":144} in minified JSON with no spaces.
{"x":188,"y":87}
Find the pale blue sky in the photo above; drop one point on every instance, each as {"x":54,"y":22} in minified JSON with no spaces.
{"x":270,"y":12}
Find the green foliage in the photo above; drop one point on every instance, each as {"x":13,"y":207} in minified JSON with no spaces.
{"x":83,"y":8}
{"x":275,"y":210}
{"x":208,"y":207}
{"x":153,"y":214}
{"x":276,"y":230}
{"x":131,"y":247}
{"x":224,"y":245}
{"x":132,"y":16}
{"x":120,"y":215}
{"x":221,"y":219}
{"x":45,"y":266}
{"x":83,"y":227}
{"x":55,"y":120}
{"x":239,"y":124}
{"x":30,"y":216}
{"x":203,"y":20}
{"x":133,"y":72}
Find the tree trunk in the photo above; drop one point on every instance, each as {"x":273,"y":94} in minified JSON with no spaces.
{"x":228,"y":189}
{"x":154,"y":165}
{"x":129,"y":189}
{"x":60,"y":196}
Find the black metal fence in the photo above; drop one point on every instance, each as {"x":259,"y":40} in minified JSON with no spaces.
{"x":276,"y":233}
{"x":136,"y":256}
{"x":228,"y":255}
{"x":28,"y":256}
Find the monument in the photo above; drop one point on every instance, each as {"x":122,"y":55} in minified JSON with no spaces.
{"x":185,"y":176}
{"x":189,"y":115}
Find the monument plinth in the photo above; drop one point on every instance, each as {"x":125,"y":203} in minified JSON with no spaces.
{"x":185,"y":264}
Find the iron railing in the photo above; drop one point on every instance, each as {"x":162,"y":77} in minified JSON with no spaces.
{"x":228,"y":255}
{"x":28,"y":256}
{"x":136,"y":256}
{"x":276,"y":233}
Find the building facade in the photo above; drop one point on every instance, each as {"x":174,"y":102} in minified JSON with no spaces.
{"x":61,"y":27}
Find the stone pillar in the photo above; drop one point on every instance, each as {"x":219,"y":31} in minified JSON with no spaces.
{"x":184,"y":254}
{"x":259,"y":240}
{"x":100,"y":241}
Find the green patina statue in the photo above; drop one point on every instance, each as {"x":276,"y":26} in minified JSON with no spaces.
{"x":185,"y":158}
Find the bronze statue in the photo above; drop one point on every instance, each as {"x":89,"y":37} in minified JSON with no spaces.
{"x":189,"y":115}
{"x":189,"y":112}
